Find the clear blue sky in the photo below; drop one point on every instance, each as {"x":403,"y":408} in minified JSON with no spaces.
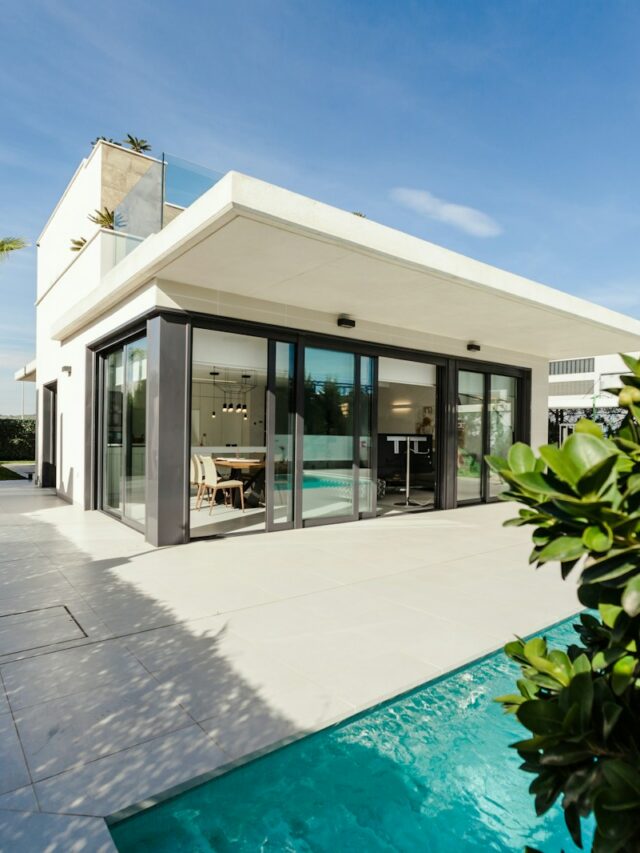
{"x":504,"y":130}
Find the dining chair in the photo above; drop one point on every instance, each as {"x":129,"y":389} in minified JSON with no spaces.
{"x":211,"y":483}
{"x":195,"y":475}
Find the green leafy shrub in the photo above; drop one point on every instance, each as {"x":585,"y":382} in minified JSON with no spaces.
{"x":17,"y":439}
{"x":581,"y":705}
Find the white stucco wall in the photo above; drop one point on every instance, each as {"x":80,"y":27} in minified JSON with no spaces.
{"x":69,"y":220}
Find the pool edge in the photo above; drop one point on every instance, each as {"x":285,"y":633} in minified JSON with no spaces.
{"x":202,"y":778}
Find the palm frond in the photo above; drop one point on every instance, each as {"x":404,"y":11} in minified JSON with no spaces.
{"x":10,"y":244}
{"x":76,"y":245}
{"x":105,"y":218}
{"x":137,"y":144}
{"x":105,"y":139}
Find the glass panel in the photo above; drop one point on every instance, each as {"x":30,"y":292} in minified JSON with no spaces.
{"x":284,"y":433}
{"x":328,"y":482}
{"x":502,"y":422}
{"x":140,"y":211}
{"x":470,"y":435}
{"x":112,"y":431}
{"x":366,"y":497}
{"x":184,"y":182}
{"x":406,"y":435}
{"x":228,"y":433}
{"x":136,"y":432}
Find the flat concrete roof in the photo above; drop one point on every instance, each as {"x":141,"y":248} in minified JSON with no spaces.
{"x":247,"y":237}
{"x":26,"y":373}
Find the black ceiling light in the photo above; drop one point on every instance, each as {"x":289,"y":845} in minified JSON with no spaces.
{"x":213,"y":374}
{"x":472,"y":346}
{"x":346,"y":322}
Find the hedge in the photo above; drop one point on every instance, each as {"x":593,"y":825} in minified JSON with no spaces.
{"x":17,"y":439}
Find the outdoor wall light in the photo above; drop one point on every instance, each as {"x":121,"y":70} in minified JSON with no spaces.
{"x":472,"y":346}
{"x":346,"y":322}
{"x":66,"y":368}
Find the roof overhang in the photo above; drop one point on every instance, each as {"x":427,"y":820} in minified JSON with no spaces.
{"x":252,"y":239}
{"x":26,"y":373}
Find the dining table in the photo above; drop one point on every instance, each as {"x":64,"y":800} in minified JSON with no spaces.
{"x":237,"y":466}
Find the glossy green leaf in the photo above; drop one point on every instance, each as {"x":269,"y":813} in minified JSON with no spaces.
{"x":631,"y":596}
{"x":609,"y":613}
{"x":521,"y":458}
{"x":597,"y":477}
{"x":561,"y":465}
{"x":610,"y":716}
{"x":564,"y":548}
{"x":598,"y":539}
{"x":584,"y":451}
{"x":590,"y":427}
{"x":620,"y":773}
{"x":540,"y":717}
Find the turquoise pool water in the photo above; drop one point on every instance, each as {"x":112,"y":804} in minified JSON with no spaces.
{"x":429,"y":771}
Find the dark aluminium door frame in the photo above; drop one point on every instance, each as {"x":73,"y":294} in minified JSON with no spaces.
{"x":48,"y":474}
{"x":177,"y":381}
{"x":94,"y":411}
{"x":522,"y":429}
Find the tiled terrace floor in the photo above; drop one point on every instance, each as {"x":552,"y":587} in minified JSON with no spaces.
{"x":150,"y":667}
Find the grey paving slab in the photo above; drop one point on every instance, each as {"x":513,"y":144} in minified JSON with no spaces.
{"x":260,"y":639}
{"x":133,"y":775}
{"x":20,"y":800}
{"x":61,"y":733}
{"x":13,"y":770}
{"x":33,"y":832}
{"x":59,"y":674}
{"x":31,"y":629}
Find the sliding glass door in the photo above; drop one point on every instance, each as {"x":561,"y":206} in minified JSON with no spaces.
{"x":486,"y":424}
{"x":329,"y":478}
{"x":124,"y":408}
{"x":502,"y":413}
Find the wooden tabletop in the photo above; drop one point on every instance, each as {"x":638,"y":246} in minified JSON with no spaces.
{"x":237,"y":462}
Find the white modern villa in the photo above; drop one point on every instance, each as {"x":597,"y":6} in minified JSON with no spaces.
{"x":234,"y":357}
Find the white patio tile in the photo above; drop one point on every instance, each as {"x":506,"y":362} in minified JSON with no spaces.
{"x":33,"y":832}
{"x":58,"y":674}
{"x":20,"y":800}
{"x":61,"y":733}
{"x":36,"y":628}
{"x":13,"y":770}
{"x":132,"y":775}
{"x":262,"y":638}
{"x":163,"y":648}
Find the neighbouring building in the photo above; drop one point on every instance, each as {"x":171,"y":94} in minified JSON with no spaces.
{"x":232,"y":356}
{"x":579,"y":388}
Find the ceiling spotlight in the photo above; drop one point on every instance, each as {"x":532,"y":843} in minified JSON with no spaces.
{"x":346,"y":322}
{"x":472,"y":346}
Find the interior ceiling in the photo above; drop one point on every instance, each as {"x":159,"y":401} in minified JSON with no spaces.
{"x":267,"y":262}
{"x":200,"y":372}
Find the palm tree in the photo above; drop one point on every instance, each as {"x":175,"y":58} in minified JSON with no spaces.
{"x":10,"y":244}
{"x":105,"y":139}
{"x":104,"y":218}
{"x":136,"y":144}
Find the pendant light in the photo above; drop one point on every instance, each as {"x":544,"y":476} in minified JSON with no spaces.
{"x":213,"y":373}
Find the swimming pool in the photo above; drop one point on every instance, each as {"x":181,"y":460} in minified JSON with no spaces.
{"x":429,"y":771}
